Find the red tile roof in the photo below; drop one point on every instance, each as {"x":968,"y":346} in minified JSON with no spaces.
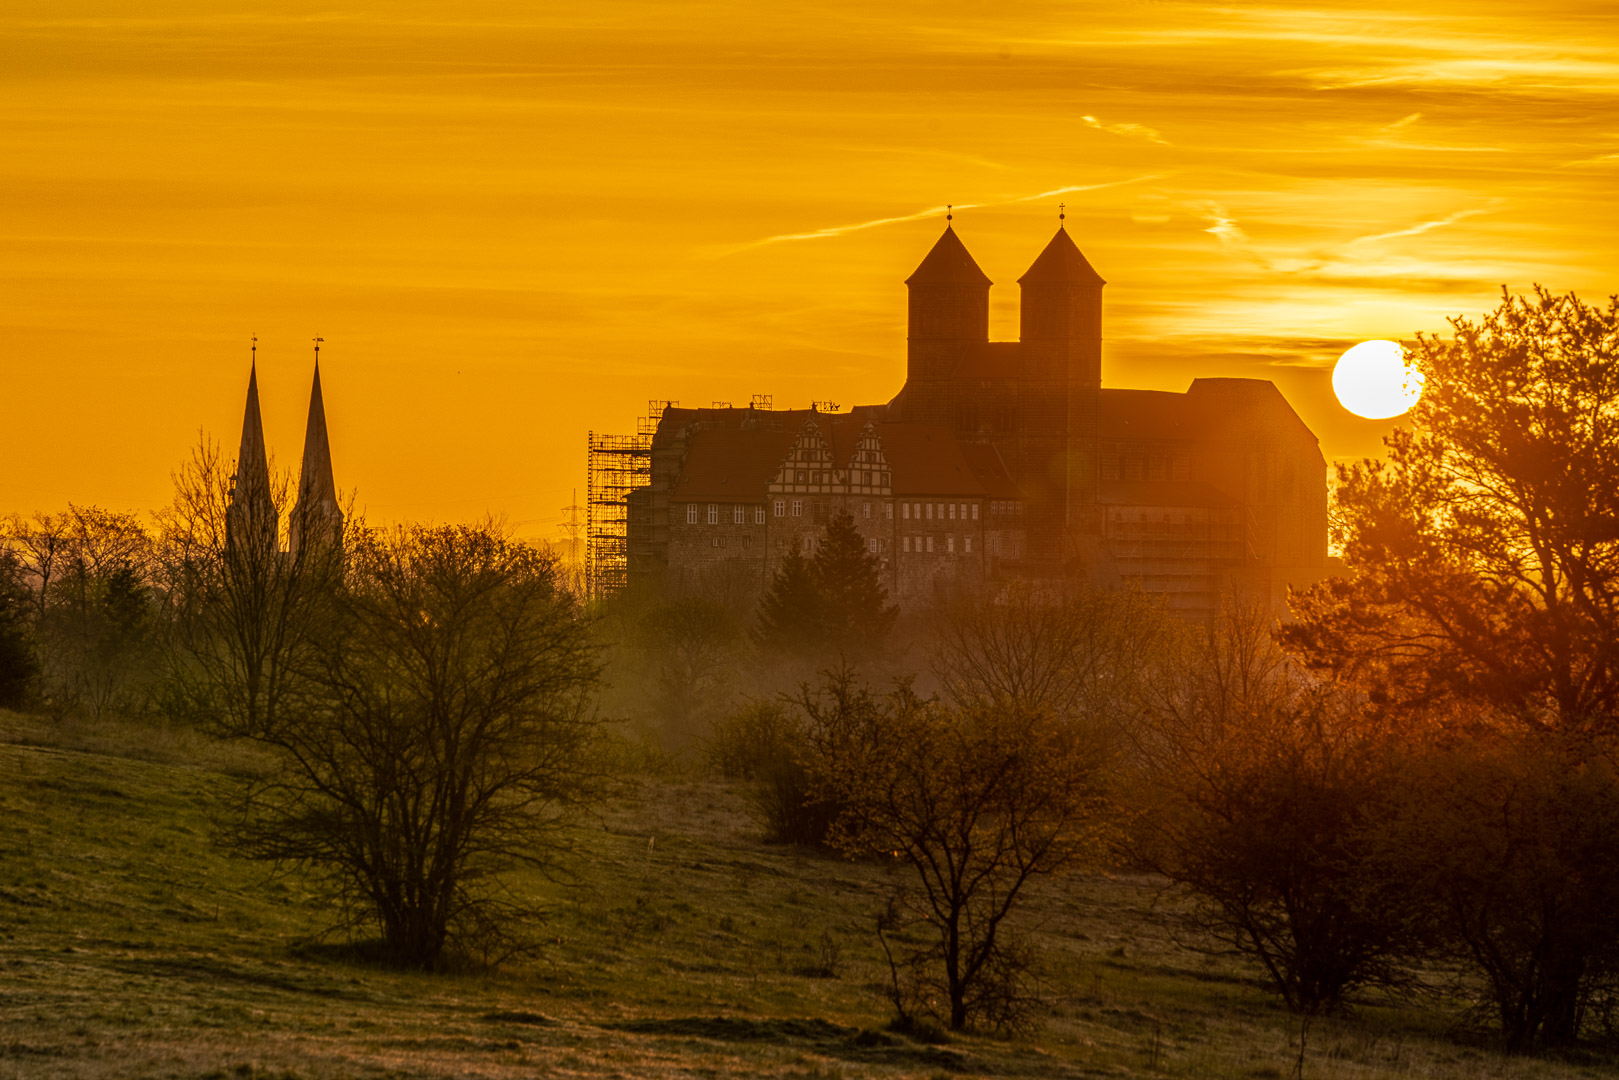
{"x":730,"y":465}
{"x":986,"y":464}
{"x":927,"y":459}
{"x":1148,"y":414}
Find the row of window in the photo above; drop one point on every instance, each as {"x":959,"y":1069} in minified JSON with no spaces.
{"x":941,"y":511}
{"x":924,"y":544}
{"x":739,"y":512}
{"x":857,"y":478}
{"x":909,"y":511}
{"x":807,"y":542}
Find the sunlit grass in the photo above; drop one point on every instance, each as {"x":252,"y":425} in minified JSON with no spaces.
{"x":680,"y":945}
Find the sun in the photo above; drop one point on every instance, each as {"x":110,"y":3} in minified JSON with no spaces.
{"x":1373,"y":380}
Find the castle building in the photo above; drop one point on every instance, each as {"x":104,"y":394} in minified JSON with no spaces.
{"x":251,"y":516}
{"x":998,"y":462}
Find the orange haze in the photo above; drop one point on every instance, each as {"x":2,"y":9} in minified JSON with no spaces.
{"x":513,"y":222}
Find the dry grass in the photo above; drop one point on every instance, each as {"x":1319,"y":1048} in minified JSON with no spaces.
{"x":130,"y":946}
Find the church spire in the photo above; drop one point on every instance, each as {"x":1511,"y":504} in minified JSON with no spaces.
{"x":251,"y":516}
{"x":317,"y":511}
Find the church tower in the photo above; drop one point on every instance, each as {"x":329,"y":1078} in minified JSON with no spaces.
{"x":948,"y":310}
{"x":316,"y":519}
{"x":1061,"y":308}
{"x":250,"y":520}
{"x":1060,"y":325}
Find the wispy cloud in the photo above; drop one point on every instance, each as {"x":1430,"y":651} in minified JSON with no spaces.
{"x":1222,"y":224}
{"x":1128,"y":131}
{"x":1421,"y":227}
{"x":1600,"y":159}
{"x":831,"y":231}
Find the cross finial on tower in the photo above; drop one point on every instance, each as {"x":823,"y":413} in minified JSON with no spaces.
{"x":255,"y":348}
{"x":318,"y":340}
{"x":950,"y":212}
{"x":1062,"y":215}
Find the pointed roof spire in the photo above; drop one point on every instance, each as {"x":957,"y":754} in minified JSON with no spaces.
{"x":1061,"y":264}
{"x":252,"y":460}
{"x":949,"y":263}
{"x":315,"y":483}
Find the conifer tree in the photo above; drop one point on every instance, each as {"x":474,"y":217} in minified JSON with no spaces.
{"x":854,"y":616}
{"x":832,"y":603}
{"x":789,"y":612}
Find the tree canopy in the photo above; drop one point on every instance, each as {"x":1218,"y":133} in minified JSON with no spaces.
{"x":1485,"y":550}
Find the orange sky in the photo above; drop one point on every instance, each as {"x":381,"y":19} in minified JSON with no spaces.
{"x":521,"y":221}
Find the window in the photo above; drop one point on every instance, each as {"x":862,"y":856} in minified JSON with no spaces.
{"x":889,"y":508}
{"x":865,"y":511}
{"x":802,"y":476}
{"x":967,"y":544}
{"x":871,"y":545}
{"x":905,"y":512}
{"x":713,"y":513}
{"x":691,"y":513}
{"x":930,"y":545}
{"x":963,"y":511}
{"x":952,"y":511}
{"x":759,"y":514}
{"x":906,"y":545}
{"x":781,"y":507}
{"x":975,"y":511}
{"x":930,"y":511}
{"x":808,"y":544}
{"x":798,"y":508}
{"x":950,"y":543}
{"x":739,"y":515}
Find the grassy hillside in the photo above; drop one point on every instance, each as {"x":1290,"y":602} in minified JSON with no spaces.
{"x":131,"y":946}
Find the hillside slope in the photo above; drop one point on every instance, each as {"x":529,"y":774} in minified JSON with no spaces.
{"x":678,"y":944}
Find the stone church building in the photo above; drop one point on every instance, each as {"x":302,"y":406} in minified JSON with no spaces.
{"x":998,"y":461}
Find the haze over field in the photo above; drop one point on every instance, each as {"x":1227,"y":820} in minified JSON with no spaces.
{"x":512,"y":224}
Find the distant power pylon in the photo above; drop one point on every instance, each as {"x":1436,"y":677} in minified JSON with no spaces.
{"x":573,"y":528}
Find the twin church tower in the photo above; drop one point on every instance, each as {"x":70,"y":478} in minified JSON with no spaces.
{"x":251,"y":520}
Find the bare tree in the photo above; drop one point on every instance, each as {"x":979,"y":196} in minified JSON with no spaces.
{"x":442,"y":721}
{"x":977,"y":802}
{"x":1264,"y":794}
{"x":242,"y":610}
{"x":88,"y":573}
{"x":41,"y":542}
{"x":1084,"y":655}
{"x":690,"y":646}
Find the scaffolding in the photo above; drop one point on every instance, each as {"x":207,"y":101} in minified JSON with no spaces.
{"x":616,"y":465}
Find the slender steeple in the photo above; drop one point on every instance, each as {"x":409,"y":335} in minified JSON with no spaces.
{"x":317,"y":512}
{"x":251,"y":516}
{"x":948,"y":309}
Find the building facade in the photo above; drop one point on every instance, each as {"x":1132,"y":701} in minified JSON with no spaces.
{"x":998,"y":462}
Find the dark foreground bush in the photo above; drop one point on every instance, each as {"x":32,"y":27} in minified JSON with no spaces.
{"x":763,"y":743}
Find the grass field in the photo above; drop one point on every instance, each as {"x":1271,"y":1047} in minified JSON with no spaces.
{"x":680,"y":945}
